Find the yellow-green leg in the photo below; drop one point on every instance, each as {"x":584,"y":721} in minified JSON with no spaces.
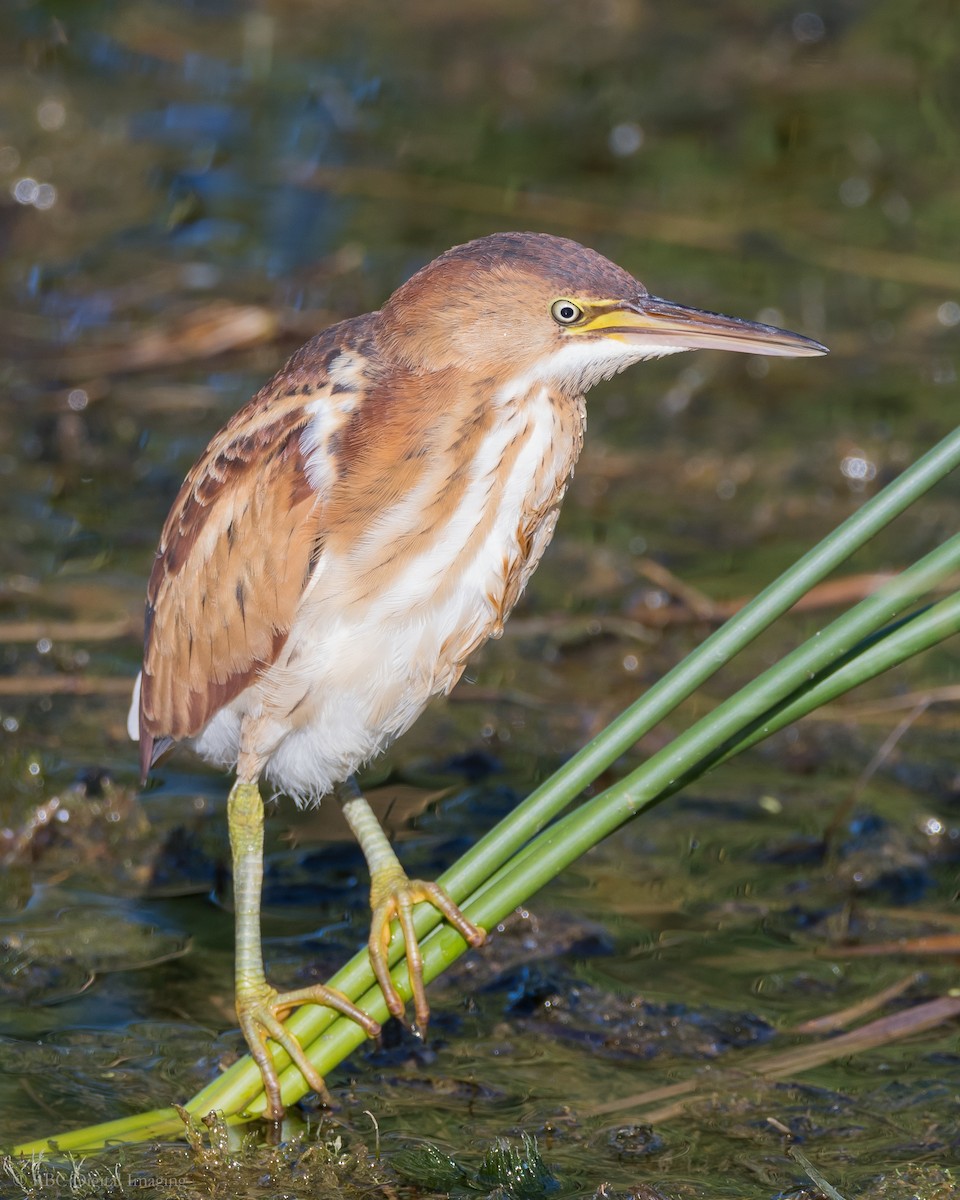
{"x":393,"y":894}
{"x":260,"y":1007}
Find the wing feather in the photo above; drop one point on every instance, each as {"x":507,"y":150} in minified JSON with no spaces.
{"x":237,"y":550}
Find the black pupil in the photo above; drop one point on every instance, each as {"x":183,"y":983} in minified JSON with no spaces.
{"x":567,"y":312}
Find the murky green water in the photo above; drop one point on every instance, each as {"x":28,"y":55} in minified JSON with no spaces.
{"x":160,"y":160}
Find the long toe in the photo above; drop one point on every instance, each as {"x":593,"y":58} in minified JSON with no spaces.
{"x":261,"y":1015}
{"x":397,"y":900}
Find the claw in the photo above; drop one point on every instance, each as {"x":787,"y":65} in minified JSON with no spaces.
{"x":393,"y":895}
{"x":260,"y":1013}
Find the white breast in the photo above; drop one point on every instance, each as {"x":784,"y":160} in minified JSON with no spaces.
{"x":352,"y":677}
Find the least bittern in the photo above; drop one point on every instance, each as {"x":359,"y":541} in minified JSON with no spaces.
{"x":366,"y":522}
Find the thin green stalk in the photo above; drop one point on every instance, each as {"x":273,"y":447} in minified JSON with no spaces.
{"x":141,"y":1127}
{"x":919,"y":632}
{"x":665,"y":773}
{"x":687,"y":754}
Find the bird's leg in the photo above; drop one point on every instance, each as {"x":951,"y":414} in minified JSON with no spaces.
{"x":393,"y":894}
{"x":260,"y":1007}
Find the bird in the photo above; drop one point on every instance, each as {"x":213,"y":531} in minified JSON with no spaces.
{"x":354,"y":533}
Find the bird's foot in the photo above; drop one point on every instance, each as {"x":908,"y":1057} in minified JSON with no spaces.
{"x":393,"y":894}
{"x":261,"y":1010}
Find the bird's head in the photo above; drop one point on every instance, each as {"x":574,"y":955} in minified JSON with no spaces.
{"x":532,"y":306}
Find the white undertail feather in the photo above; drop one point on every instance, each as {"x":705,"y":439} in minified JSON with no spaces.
{"x":133,"y":715}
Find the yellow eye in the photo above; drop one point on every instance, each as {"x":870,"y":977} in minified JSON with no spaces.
{"x":565,"y":312}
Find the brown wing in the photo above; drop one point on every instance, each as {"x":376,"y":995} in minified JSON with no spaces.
{"x":235,"y":554}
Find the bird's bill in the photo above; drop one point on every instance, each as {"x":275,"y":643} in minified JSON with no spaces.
{"x":674,"y":326}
